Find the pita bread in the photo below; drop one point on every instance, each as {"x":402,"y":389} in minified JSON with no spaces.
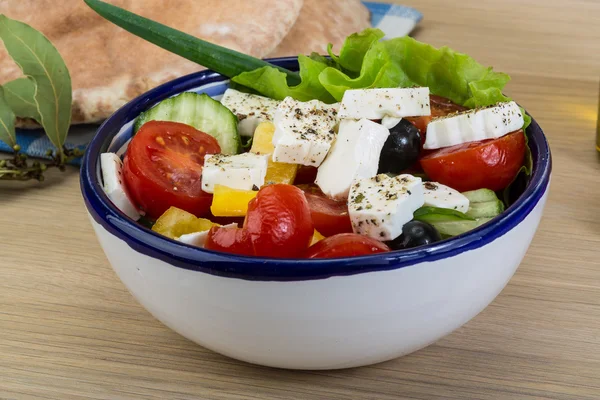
{"x":109,"y":66}
{"x":322,"y":22}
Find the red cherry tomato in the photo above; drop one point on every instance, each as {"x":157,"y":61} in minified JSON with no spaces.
{"x":231,"y":240}
{"x":279,"y":222}
{"x":440,"y":106}
{"x":490,"y":164}
{"x":163,"y":168}
{"x":345,"y":245}
{"x":329,"y":216}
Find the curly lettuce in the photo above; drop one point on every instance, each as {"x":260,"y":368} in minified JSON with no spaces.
{"x":272,"y":82}
{"x":365,"y":61}
{"x":354,"y":49}
{"x":378,"y":70}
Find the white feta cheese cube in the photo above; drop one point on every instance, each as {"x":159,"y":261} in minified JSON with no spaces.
{"x":198,"y":239}
{"x":241,"y":171}
{"x":378,"y":103}
{"x":250,"y":109}
{"x":380,"y":206}
{"x":114,"y":187}
{"x":442,"y":196}
{"x":354,"y":154}
{"x":390,"y":122}
{"x":473,"y":125}
{"x":304,"y":131}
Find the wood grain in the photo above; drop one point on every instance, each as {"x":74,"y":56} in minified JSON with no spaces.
{"x":70,"y":330}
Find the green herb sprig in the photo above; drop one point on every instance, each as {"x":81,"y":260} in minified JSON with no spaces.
{"x":44,"y":95}
{"x":21,"y":168}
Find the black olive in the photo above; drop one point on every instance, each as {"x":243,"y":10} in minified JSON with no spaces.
{"x":415,"y":234}
{"x":401,"y":149}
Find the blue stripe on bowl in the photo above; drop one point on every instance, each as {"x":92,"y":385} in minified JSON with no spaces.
{"x":180,"y":255}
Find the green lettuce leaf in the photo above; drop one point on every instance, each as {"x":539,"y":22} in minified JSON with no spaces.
{"x":272,"y":83}
{"x":378,"y":70}
{"x":355,"y":48}
{"x":367,"y":62}
{"x":526,"y":123}
{"x":407,"y":62}
{"x":436,"y":214}
{"x":330,"y":62}
{"x":448,"y":73}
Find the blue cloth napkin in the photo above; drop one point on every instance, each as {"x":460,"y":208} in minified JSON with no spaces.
{"x":394,"y":20}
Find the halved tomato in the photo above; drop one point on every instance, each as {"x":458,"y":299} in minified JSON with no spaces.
{"x":279,"y":222}
{"x":440,"y":106}
{"x":163,"y":168}
{"x":490,"y":164}
{"x":345,"y":245}
{"x":329,"y":216}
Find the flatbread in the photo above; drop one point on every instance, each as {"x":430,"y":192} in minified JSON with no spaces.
{"x":109,"y":66}
{"x":322,"y":22}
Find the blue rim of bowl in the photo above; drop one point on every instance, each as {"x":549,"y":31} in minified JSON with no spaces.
{"x":145,"y":241}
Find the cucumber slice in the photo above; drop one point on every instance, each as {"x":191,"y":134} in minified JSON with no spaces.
{"x":455,"y":228}
{"x":488,"y":209}
{"x":484,"y":205}
{"x":480,"y":195}
{"x":200,"y":111}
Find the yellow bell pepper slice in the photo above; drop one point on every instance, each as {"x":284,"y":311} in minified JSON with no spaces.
{"x":262,"y":143}
{"x":176,"y":222}
{"x":316,"y":237}
{"x":229,"y":202}
{"x":280,"y":172}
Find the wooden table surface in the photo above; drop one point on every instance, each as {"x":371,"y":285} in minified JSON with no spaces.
{"x":70,"y":330}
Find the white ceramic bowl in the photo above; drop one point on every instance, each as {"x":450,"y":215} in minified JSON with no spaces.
{"x":309,"y":314}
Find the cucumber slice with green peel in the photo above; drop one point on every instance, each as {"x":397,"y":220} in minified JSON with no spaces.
{"x":480,"y":195}
{"x":455,"y":228}
{"x":484,"y":205}
{"x":488,"y":209}
{"x":200,"y":111}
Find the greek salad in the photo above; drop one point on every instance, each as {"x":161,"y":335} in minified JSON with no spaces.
{"x":378,"y":166}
